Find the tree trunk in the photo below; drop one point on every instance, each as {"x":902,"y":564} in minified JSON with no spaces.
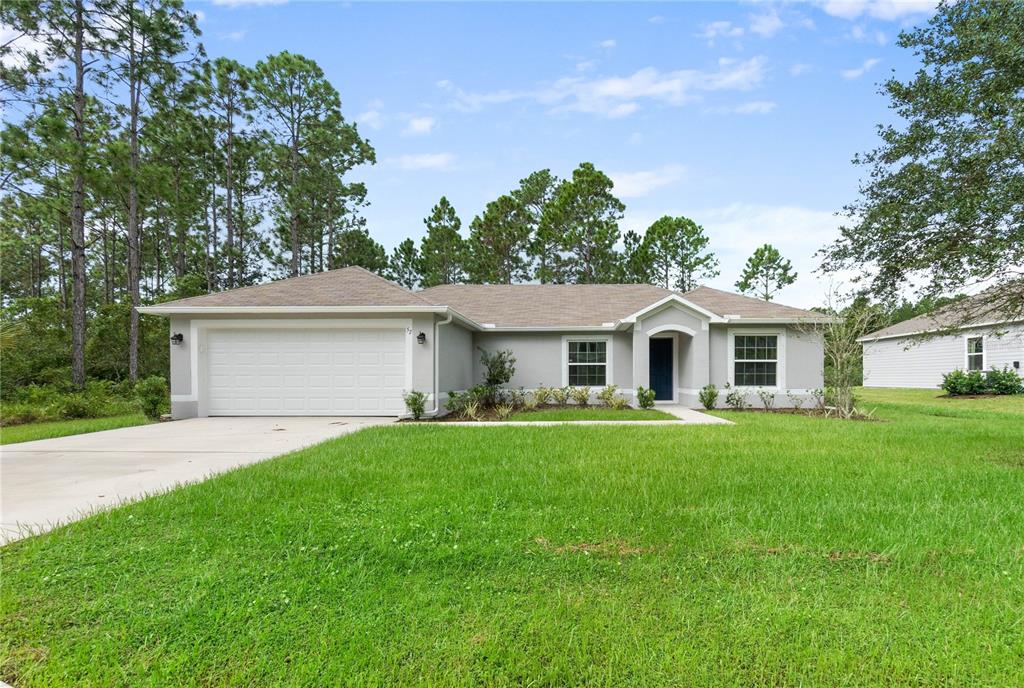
{"x":78,"y":210}
{"x":291,"y":206}
{"x":229,"y":248}
{"x":134,"y":87}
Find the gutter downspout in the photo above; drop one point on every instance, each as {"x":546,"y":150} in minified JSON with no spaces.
{"x":437,"y":359}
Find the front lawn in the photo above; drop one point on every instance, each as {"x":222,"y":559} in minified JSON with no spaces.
{"x":591,"y":413}
{"x":60,"y":428}
{"x":783,"y":550}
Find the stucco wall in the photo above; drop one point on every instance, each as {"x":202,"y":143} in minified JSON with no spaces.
{"x":804,"y":361}
{"x":456,"y":358}
{"x":539,"y":356}
{"x":691,"y":365}
{"x":921,"y":361}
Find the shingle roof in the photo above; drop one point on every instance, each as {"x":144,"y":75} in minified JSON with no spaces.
{"x":545,"y":305}
{"x":350,"y":286}
{"x":585,"y":305}
{"x":974,"y":310}
{"x":503,"y":305}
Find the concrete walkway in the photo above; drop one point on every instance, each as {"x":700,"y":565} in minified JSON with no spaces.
{"x":692,"y":416}
{"x":49,"y":482}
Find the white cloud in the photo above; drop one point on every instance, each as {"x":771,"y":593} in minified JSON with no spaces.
{"x":799,"y":68}
{"x":608,"y":43}
{"x":888,"y":10}
{"x":621,"y":95}
{"x":767,"y":24}
{"x":21,"y":47}
{"x":857,"y":72}
{"x":423,"y":161}
{"x":719,"y":29}
{"x":418,"y":126}
{"x":200,"y":15}
{"x":585,"y":65}
{"x":736,"y":230}
{"x":233,"y":36}
{"x":656,"y":19}
{"x":372,"y":117}
{"x":239,"y":3}
{"x":642,"y":183}
{"x":859,"y":33}
{"x":755,"y":107}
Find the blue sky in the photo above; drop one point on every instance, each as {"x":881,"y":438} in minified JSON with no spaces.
{"x":743,"y":116}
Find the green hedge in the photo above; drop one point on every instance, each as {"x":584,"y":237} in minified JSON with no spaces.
{"x":992,"y":381}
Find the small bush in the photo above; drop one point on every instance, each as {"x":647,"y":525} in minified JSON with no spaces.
{"x":560,"y":395}
{"x":542,"y":395}
{"x":958,"y":382}
{"x":499,"y":367}
{"x":619,"y":403}
{"x":75,"y":406}
{"x":818,"y":396}
{"x":767,"y":398}
{"x":416,"y":403}
{"x":152,"y":394}
{"x":456,"y":402}
{"x":530,"y":403}
{"x":735,"y":399}
{"x":503,"y":411}
{"x":515,"y":397}
{"x":1005,"y":381}
{"x":645,"y":397}
{"x":708,"y":397}
{"x":607,"y":395}
{"x":580,"y":395}
{"x":471,"y":410}
{"x":795,"y":400}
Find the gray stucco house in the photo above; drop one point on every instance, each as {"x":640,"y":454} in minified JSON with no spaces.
{"x":964,"y":336}
{"x":348,"y":342}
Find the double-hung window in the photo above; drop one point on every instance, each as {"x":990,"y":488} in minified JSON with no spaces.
{"x":975,"y":353}
{"x":755,"y":360}
{"x":587,"y":362}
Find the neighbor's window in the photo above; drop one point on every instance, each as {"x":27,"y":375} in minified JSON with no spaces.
{"x":588,"y":363}
{"x":755,"y":360}
{"x":975,"y":353}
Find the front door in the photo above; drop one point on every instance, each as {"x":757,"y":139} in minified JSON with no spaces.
{"x":661,"y":368}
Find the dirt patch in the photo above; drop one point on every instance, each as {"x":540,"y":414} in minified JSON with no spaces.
{"x":853,"y":555}
{"x":764,"y":550}
{"x":605,"y":548}
{"x":1012,"y":458}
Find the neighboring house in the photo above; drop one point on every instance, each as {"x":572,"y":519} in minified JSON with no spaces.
{"x":347,"y":342}
{"x":919,"y":351}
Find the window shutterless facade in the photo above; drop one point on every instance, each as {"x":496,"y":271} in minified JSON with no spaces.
{"x":975,"y":353}
{"x":755,"y":360}
{"x":587,"y":362}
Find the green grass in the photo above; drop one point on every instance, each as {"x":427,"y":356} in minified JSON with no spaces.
{"x":782,"y":550}
{"x":60,"y":428}
{"x":591,"y":413}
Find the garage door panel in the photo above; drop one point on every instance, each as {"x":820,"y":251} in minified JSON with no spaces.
{"x":305,"y":371}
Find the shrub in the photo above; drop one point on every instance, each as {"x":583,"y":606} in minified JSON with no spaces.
{"x":619,"y":403}
{"x":580,"y":395}
{"x":515,"y":397}
{"x":645,"y":397}
{"x":152,"y":395}
{"x":818,"y":395}
{"x":499,"y":367}
{"x":503,"y":411}
{"x":607,"y":395}
{"x":416,"y":402}
{"x":560,"y":395}
{"x":958,"y":382}
{"x":795,"y":400}
{"x":542,"y":395}
{"x":735,"y":399}
{"x":471,"y":410}
{"x":530,"y":403}
{"x":708,"y":396}
{"x":1005,"y":381}
{"x":456,"y":402}
{"x":767,"y":398}
{"x":75,"y":406}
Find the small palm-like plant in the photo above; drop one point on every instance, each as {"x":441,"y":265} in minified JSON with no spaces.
{"x":560,"y":395}
{"x":580,"y":395}
{"x":542,"y":395}
{"x":503,"y":411}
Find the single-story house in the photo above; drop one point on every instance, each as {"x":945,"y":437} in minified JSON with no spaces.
{"x":963,"y":336}
{"x":348,"y":342}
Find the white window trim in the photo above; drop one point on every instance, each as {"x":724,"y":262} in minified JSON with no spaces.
{"x":984,"y":351}
{"x":780,"y":360}
{"x":609,"y":368}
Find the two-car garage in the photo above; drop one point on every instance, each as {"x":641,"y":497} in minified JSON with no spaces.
{"x":304,"y":371}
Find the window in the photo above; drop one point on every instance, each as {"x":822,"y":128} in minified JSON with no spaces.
{"x":975,"y":353}
{"x":755,"y":360}
{"x":588,"y":362}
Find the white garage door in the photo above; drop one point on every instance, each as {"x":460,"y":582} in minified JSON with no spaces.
{"x":315,"y":371}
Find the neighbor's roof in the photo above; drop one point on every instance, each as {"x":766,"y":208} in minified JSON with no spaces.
{"x":970,"y":312}
{"x":498,"y":305}
{"x":350,"y":286}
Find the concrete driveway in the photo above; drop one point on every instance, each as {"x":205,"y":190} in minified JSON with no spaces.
{"x":49,"y":482}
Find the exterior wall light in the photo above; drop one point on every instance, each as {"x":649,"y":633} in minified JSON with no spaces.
{"x":177,"y":339}
{"x":421,"y":338}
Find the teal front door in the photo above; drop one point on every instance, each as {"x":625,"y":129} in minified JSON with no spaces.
{"x":661,"y":368}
